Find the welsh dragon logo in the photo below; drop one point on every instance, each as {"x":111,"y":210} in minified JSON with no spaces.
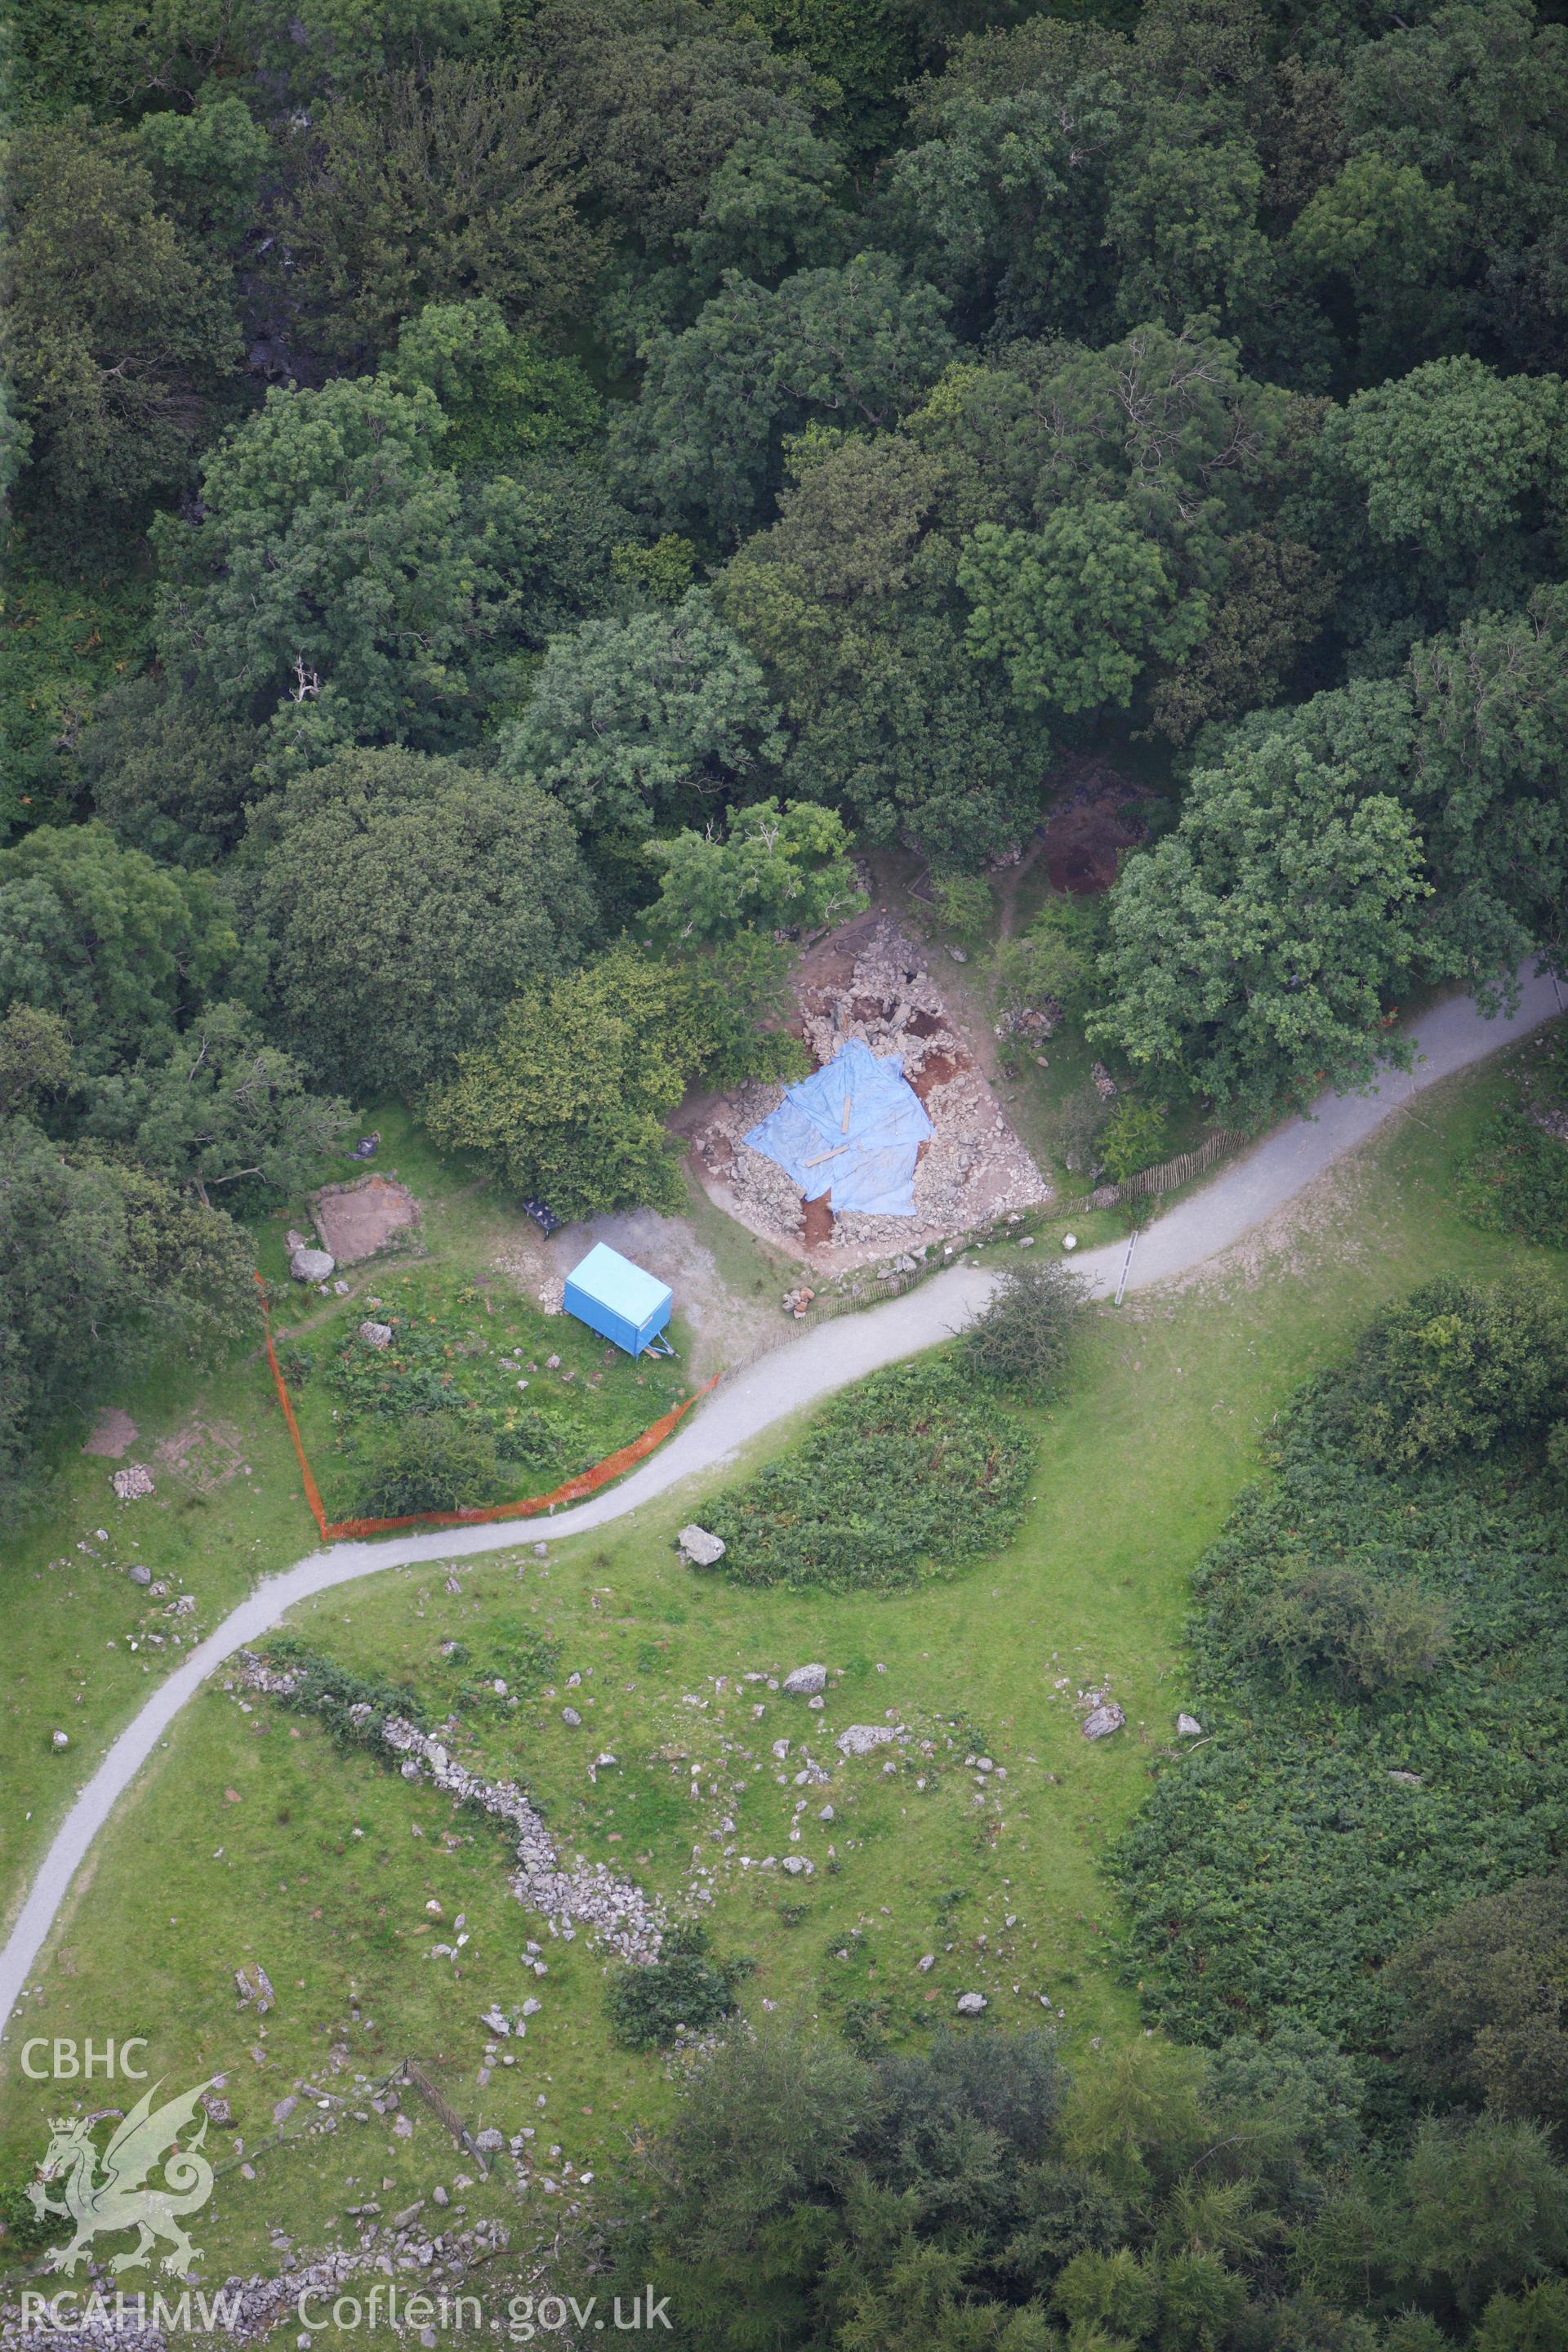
{"x":107,"y":2192}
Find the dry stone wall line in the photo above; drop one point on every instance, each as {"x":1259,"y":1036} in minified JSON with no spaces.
{"x":614,"y":1911}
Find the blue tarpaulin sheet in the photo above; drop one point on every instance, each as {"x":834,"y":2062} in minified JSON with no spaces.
{"x":868,"y":1163}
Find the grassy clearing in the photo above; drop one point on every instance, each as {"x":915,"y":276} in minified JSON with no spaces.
{"x":554,"y":1397}
{"x":1137,"y":1468}
{"x":83,"y":1643}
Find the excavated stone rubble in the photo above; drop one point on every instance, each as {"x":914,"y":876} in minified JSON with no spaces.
{"x":974,"y":1169}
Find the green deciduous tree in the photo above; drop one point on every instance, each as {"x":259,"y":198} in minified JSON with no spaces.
{"x":505,"y":399}
{"x":37,"y":1063}
{"x":221,"y":1109}
{"x":568,"y":1103}
{"x":772,"y":869}
{"x":853,"y":346}
{"x":1451,"y":480}
{"x":117,"y":51}
{"x":1075,"y":612}
{"x":656,"y":94}
{"x":1383,"y":242}
{"x":407,"y":898}
{"x":443,"y":183}
{"x":207,"y":164}
{"x":1484,"y":2001}
{"x":119,"y":330}
{"x":1488,"y":780}
{"x":119,"y":948}
{"x":640,"y":719}
{"x":164,"y":774}
{"x":1453,"y":1370}
{"x":1253,"y":949}
{"x":100,"y":1262}
{"x":341,"y":585}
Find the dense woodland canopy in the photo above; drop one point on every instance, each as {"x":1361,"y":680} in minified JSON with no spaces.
{"x":507,"y":497}
{"x":504,"y":500}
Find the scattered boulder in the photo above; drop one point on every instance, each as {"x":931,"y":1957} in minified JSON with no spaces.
{"x":698,"y":1548}
{"x":409,"y":2215}
{"x":140,"y":1575}
{"x":1104,"y":1084}
{"x":132,"y":1483}
{"x":1070,"y":1241}
{"x":496,"y":2021}
{"x":307,"y":1264}
{"x":1188,"y":1727}
{"x":489,"y":2142}
{"x":804,"y":1682}
{"x":284,"y":2109}
{"x":1407,"y":1779}
{"x":60,"y":1739}
{"x":255,"y":1985}
{"x":376,"y":1335}
{"x":926,"y":1962}
{"x":972,"y":2004}
{"x":1105,"y":1719}
{"x":860,"y":1738}
{"x":570,"y":1714}
{"x":796,"y":1863}
{"x":219,"y":2109}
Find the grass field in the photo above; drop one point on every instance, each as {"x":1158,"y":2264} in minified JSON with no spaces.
{"x":252,"y":1837}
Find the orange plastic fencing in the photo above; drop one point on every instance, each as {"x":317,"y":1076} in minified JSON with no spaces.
{"x":587,"y":1482}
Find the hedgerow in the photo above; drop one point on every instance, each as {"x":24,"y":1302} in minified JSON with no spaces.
{"x":911,"y":1470}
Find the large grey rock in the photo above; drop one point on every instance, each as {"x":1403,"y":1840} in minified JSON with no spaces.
{"x":970,"y":2004}
{"x":699,"y":1547}
{"x":140,"y":1575}
{"x":376,"y":1335}
{"x":1104,"y":1720}
{"x":308,"y":1265}
{"x":860,"y":1738}
{"x":1188,"y":1727}
{"x":804,"y":1682}
{"x":489,"y":2142}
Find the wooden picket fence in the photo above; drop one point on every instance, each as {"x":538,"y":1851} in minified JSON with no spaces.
{"x":1164,"y":1178}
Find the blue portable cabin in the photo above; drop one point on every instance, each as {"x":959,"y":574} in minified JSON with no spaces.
{"x":618,"y":1299}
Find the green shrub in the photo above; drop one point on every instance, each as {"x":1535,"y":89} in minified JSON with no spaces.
{"x":541,"y":1440}
{"x":1453,"y":1369}
{"x":1135,"y":1137}
{"x":962,"y":904}
{"x":1516,"y":1180}
{"x":1022,"y":1339}
{"x":22,"y":2227}
{"x":684,"y":1986}
{"x":430,"y":1461}
{"x":1054,"y":961}
{"x":910,"y":1466}
{"x":324,"y":1688}
{"x":1331,"y":1623}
